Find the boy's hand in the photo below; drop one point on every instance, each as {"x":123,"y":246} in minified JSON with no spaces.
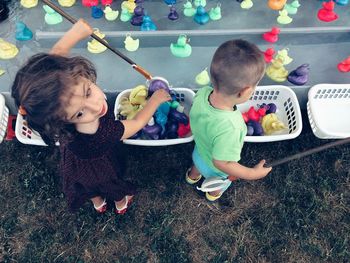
{"x":261,"y":171}
{"x":160,"y":96}
{"x":81,"y":29}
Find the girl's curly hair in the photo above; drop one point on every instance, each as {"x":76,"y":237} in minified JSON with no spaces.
{"x":39,"y":87}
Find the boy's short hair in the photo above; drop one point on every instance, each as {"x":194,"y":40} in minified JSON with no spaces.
{"x":236,"y":64}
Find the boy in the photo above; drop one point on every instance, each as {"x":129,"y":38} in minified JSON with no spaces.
{"x":217,"y":125}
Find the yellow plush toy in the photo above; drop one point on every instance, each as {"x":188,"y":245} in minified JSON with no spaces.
{"x":276,"y":71}
{"x":127,"y":109}
{"x":270,"y":124}
{"x":138,"y":95}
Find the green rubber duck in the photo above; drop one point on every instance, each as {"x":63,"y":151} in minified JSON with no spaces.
{"x":215,"y":12}
{"x":292,"y":8}
{"x":188,"y":9}
{"x":51,"y":16}
{"x":125,"y":15}
{"x":200,"y":3}
{"x":181,"y":49}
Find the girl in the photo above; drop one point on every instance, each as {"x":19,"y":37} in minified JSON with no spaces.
{"x":60,"y":100}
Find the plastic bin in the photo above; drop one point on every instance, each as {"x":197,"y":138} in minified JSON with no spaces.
{"x":288,"y":111}
{"x":184,"y":96}
{"x":4,"y":115}
{"x":327,"y":107}
{"x":26,"y":135}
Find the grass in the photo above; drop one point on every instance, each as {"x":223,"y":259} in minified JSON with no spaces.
{"x":299,"y":213}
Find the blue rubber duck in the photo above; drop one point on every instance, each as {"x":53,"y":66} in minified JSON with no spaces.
{"x":341,"y":2}
{"x":96,"y":12}
{"x":170,"y":2}
{"x":23,"y":33}
{"x":201,"y":17}
{"x":147,"y":24}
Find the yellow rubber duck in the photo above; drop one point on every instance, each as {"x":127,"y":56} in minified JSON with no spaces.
{"x":203,"y":78}
{"x":138,"y":95}
{"x":110,"y":14}
{"x":29,"y":3}
{"x":283,"y":56}
{"x":66,"y":3}
{"x":7,"y":50}
{"x":129,"y":5}
{"x":283,"y":17}
{"x":94,"y":46}
{"x":131,"y":44}
{"x":276,"y":71}
{"x":270,"y":124}
{"x":127,"y":109}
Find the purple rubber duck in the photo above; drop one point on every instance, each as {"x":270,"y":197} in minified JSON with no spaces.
{"x":173,"y":15}
{"x":300,"y":75}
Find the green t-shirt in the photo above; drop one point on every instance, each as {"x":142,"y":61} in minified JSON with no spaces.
{"x":219,"y":134}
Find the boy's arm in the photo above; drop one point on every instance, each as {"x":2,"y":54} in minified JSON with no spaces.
{"x":142,"y":118}
{"x":79,"y":31}
{"x":237,"y":170}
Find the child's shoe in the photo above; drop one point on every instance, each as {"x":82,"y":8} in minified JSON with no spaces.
{"x":122,"y":210}
{"x":189,"y":180}
{"x":102,"y":208}
{"x":212,"y":198}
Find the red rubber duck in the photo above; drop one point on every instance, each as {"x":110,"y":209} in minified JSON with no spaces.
{"x":344,"y":66}
{"x":271,"y":36}
{"x":106,"y":2}
{"x":326,"y":13}
{"x":89,"y":3}
{"x":268,"y":55}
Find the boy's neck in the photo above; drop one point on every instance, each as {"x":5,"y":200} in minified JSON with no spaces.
{"x":221,"y":101}
{"x":88,"y":128}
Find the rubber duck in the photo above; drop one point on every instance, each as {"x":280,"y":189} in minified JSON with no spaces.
{"x":268,"y":55}
{"x":271,"y":124}
{"x":188,"y":9}
{"x":126,"y":109}
{"x":276,"y":4}
{"x":137,"y":18}
{"x":203,"y":78}
{"x":276,"y":71}
{"x":157,"y":84}
{"x":51,"y":16}
{"x":342,"y":2}
{"x":2,"y":72}
{"x":170,"y":2}
{"x":138,"y":95}
{"x":181,"y":49}
{"x":200,"y":3}
{"x":29,"y":3}
{"x":201,"y":17}
{"x":254,"y":128}
{"x":152,"y":130}
{"x":292,"y":8}
{"x":66,"y":3}
{"x":247,"y":4}
{"x":89,"y":3}
{"x":147,"y":24}
{"x":131,"y":44}
{"x":344,"y":66}
{"x":300,"y":75}
{"x":110,"y":14}
{"x":94,"y":46}
{"x":23,"y":32}
{"x":283,"y":56}
{"x":326,"y":13}
{"x":271,"y":36}
{"x":4,"y":11}
{"x":125,"y":16}
{"x":7,"y":50}
{"x":106,"y":2}
{"x":283,"y":17}
{"x":173,"y":15}
{"x":96,"y":12}
{"x":215,"y":12}
{"x":130,"y":5}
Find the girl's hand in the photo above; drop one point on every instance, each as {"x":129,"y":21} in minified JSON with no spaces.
{"x":160,"y":96}
{"x":82,"y":29}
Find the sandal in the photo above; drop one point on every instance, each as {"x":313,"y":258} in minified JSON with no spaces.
{"x":212,"y":198}
{"x":101,"y":208}
{"x":122,"y":211}
{"x":189,"y":180}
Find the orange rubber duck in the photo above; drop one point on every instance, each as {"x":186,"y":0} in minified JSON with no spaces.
{"x":276,"y":4}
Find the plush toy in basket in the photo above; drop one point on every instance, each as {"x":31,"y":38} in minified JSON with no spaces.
{"x":170,"y":123}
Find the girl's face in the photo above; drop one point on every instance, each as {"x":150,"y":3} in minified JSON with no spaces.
{"x":86,"y":103}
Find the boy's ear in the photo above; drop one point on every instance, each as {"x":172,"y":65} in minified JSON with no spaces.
{"x":245,"y":91}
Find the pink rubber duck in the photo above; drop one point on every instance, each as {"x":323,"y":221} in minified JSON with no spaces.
{"x":326,"y":13}
{"x":271,"y":36}
{"x":344,"y":66}
{"x":89,"y":3}
{"x":268,"y":55}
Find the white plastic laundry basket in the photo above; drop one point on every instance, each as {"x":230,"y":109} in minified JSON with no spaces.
{"x":185,"y":97}
{"x":288,"y":111}
{"x":4,"y":116}
{"x":26,"y":135}
{"x":328,"y":108}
